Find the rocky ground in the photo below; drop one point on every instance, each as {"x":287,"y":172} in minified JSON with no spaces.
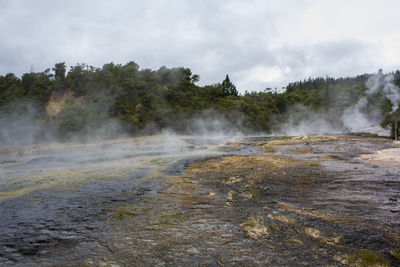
{"x":255,"y":202}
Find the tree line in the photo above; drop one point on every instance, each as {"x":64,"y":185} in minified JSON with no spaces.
{"x":138,"y":99}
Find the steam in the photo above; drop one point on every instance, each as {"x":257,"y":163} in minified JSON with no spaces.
{"x":23,"y":126}
{"x":306,"y":121}
{"x":354,"y":119}
{"x":90,"y":122}
{"x":363,"y":116}
{"x":20,"y":126}
{"x":26,"y":125}
{"x":380,"y":83}
{"x":213,"y":125}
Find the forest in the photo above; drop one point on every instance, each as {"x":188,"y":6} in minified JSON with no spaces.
{"x":82,"y":101}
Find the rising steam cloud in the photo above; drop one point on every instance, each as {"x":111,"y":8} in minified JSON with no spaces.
{"x":23,"y":126}
{"x":380,"y":83}
{"x":363,"y":116}
{"x":20,"y":126}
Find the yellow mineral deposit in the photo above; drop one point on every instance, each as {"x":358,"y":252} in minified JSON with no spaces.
{"x":389,"y":158}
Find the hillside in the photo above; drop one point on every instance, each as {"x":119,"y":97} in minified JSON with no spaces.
{"x":85,"y":102}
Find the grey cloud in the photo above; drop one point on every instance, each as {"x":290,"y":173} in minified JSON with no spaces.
{"x":346,"y":57}
{"x":293,"y":62}
{"x":210,"y":37}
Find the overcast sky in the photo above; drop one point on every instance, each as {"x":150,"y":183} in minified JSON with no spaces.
{"x":258,"y":43}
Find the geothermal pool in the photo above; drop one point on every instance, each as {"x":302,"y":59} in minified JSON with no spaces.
{"x":172,"y":200}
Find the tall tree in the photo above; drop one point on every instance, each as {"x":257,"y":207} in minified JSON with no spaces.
{"x":228,"y":88}
{"x":59,"y":71}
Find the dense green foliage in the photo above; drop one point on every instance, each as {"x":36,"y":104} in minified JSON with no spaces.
{"x":141,"y":99}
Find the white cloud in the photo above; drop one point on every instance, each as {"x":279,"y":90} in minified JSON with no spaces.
{"x":258,"y":76}
{"x":259,"y":43}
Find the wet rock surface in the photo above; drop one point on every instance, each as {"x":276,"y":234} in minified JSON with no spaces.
{"x":34,"y":225}
{"x":261,"y":202}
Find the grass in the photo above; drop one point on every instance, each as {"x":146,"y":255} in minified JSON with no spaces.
{"x":269,"y":149}
{"x":371,"y":258}
{"x":367,"y":258}
{"x":352,"y":259}
{"x":313,"y":163}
